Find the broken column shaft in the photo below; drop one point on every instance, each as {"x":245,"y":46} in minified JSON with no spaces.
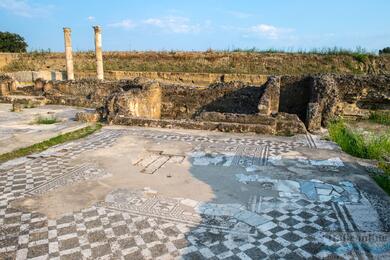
{"x":99,"y":53}
{"x":68,"y":54}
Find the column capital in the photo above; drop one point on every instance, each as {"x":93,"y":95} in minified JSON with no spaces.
{"x":97,"y":28}
{"x":67,"y":29}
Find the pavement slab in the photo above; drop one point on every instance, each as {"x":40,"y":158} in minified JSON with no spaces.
{"x":18,"y":130}
{"x":144,"y":193}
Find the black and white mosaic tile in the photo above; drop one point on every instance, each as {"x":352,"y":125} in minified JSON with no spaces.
{"x":140,"y":225}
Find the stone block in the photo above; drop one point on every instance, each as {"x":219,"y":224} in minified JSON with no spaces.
{"x":39,"y":83}
{"x":16,"y":107}
{"x":88,"y":117}
{"x":7,"y":85}
{"x":313,"y":117}
{"x":269,"y":101}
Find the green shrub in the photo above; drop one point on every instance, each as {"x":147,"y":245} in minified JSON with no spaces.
{"x":41,"y":120}
{"x":375,"y":147}
{"x":383,"y":180}
{"x":349,"y":141}
{"x":360,"y":57}
{"x":380,"y":117}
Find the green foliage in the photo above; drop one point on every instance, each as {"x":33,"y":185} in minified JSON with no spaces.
{"x":380,"y":117}
{"x":383,"y":180}
{"x":349,"y":141}
{"x":12,"y":42}
{"x":375,"y":147}
{"x":385,"y":51}
{"x":360,"y":57}
{"x":42,"y":120}
{"x":39,"y":147}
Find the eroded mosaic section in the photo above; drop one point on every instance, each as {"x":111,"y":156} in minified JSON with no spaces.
{"x":305,"y":218}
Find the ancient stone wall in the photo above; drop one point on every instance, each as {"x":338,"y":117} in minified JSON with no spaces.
{"x":294,"y":95}
{"x":180,"y":102}
{"x":269,"y":101}
{"x":7,"y":85}
{"x":282,"y":104}
{"x":86,"y":93}
{"x":140,"y":100}
{"x":194,"y":79}
{"x":347,"y":96}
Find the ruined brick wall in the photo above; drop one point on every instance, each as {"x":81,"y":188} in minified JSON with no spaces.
{"x":269,"y":101}
{"x":314,"y":99}
{"x":181,"y":102}
{"x":140,"y":100}
{"x":177,"y":101}
{"x":318,"y":98}
{"x":365,"y":92}
{"x":7,"y":85}
{"x":294,"y":95}
{"x":85,"y":93}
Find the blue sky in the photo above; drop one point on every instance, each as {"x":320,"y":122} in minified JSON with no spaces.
{"x":200,"y":24}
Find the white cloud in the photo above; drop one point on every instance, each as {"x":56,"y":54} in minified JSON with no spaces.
{"x":269,"y":31}
{"x":124,"y":24}
{"x":91,"y":18}
{"x":173,"y":24}
{"x":24,"y":8}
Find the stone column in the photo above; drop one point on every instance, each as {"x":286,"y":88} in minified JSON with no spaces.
{"x":99,"y":53}
{"x":68,"y":54}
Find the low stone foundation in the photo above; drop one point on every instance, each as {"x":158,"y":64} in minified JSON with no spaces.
{"x":280,"y":106}
{"x":192,"y":124}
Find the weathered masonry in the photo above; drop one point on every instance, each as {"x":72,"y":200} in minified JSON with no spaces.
{"x":284,"y":105}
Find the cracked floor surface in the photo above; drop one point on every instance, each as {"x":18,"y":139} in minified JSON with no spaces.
{"x":143,"y":193}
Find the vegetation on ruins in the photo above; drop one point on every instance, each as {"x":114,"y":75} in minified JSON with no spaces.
{"x":12,"y":42}
{"x":380,"y":117}
{"x":318,"y":51}
{"x":46,"y":120}
{"x":39,"y":147}
{"x":362,"y":146}
{"x":252,"y":61}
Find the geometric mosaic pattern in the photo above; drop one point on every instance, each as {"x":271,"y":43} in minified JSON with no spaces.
{"x":132,"y":225}
{"x":78,"y":173}
{"x":101,"y":231}
{"x":275,"y":147}
{"x":54,"y":161}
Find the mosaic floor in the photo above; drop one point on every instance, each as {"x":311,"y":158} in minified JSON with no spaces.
{"x":288,"y":219}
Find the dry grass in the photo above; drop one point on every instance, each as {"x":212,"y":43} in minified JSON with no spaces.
{"x":246,"y":62}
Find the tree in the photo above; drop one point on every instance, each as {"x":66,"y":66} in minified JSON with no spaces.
{"x":12,"y":42}
{"x":385,"y":51}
